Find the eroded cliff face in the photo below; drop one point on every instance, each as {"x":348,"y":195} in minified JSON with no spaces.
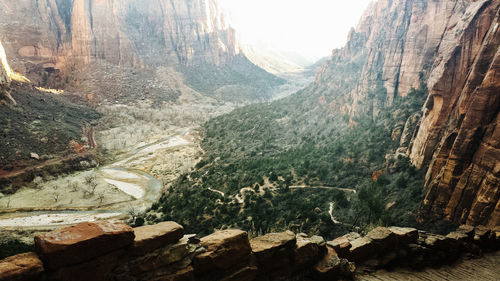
{"x":60,"y":35}
{"x":459,"y":137}
{"x":452,"y":48}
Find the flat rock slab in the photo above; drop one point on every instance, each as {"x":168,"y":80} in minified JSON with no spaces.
{"x":265,"y":246}
{"x":25,"y":267}
{"x":405,"y":235}
{"x":307,"y":251}
{"x":331,"y":267}
{"x":82,"y":242}
{"x":361,"y":249}
{"x":223,"y":249}
{"x":151,"y":237}
{"x":341,"y":245}
{"x":162,"y":257}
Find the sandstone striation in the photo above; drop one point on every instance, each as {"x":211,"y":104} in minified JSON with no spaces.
{"x":458,"y":136}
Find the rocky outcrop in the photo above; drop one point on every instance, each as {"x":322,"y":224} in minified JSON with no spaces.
{"x":99,"y":251}
{"x":81,"y":243}
{"x":21,"y":267}
{"x":129,"y":33}
{"x":451,"y":47}
{"x":459,"y":135}
{"x":109,"y":49}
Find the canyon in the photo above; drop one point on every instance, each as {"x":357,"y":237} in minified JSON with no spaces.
{"x":80,"y":45}
{"x":402,"y":45}
{"x":400,"y":126}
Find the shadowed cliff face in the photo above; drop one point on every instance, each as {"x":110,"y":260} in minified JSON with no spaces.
{"x":452,"y":47}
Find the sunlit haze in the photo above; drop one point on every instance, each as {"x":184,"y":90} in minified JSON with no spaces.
{"x":309,"y":27}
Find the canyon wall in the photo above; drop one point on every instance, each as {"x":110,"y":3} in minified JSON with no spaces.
{"x":109,"y":49}
{"x":459,"y":135}
{"x":52,"y":33}
{"x":451,"y":47}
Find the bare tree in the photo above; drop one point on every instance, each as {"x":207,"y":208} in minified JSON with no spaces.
{"x":100,"y":197}
{"x":85,"y":192}
{"x":56,"y":196}
{"x":38,"y":182}
{"x":93,"y":185}
{"x":90,"y":179}
{"x":74,"y":186}
{"x":132,"y":213}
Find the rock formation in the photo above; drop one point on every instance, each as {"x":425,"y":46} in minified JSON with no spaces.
{"x":459,"y":135}
{"x":109,"y":250}
{"x":64,"y":44}
{"x":452,"y":48}
{"x":129,"y":33}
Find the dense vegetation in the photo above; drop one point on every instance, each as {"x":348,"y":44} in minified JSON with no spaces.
{"x":41,"y":123}
{"x":283,"y":165}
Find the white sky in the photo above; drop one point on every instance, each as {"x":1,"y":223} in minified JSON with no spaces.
{"x":311,"y":28}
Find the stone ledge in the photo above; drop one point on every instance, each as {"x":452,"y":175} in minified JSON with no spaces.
{"x":82,"y":242}
{"x":21,"y":267}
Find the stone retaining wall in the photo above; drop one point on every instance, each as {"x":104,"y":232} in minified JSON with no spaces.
{"x":110,"y":250}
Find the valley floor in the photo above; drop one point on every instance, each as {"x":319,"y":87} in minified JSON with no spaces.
{"x":483,"y":269}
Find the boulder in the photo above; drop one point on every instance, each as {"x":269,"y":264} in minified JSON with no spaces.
{"x":444,"y":248}
{"x":405,"y":235}
{"x":162,"y":257}
{"x":351,"y":236}
{"x":383,"y":239}
{"x":458,"y":236}
{"x":82,"y":242}
{"x":224,"y":249}
{"x":23,"y":267}
{"x":264,"y":247}
{"x":151,"y":237}
{"x":307,"y":251}
{"x":331,"y":267}
{"x":361,"y":249}
{"x":274,"y":253}
{"x":341,"y":245}
{"x":34,"y":156}
{"x":467,"y":229}
{"x":482,"y":235}
{"x":98,"y":269}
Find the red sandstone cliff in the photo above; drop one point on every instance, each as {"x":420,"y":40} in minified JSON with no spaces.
{"x":453,"y":47}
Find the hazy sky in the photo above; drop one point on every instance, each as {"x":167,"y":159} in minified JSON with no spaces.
{"x":310,"y":27}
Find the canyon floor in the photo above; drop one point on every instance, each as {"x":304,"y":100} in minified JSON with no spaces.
{"x":149,"y":147}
